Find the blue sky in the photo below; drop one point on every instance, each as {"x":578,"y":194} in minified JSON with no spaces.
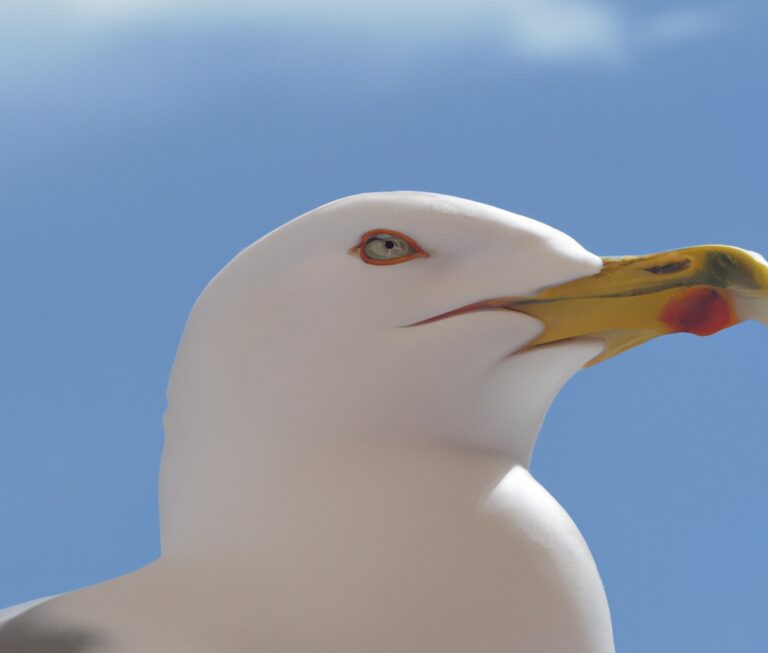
{"x":143,"y":146}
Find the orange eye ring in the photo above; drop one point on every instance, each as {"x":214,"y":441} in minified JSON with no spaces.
{"x":404,"y":247}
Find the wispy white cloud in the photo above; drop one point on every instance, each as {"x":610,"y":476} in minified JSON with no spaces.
{"x":566,"y":29}
{"x":677,"y":25}
{"x":553,"y":31}
{"x":601,"y":31}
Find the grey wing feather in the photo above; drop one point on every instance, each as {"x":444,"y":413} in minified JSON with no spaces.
{"x":21,"y":631}
{"x":6,"y":614}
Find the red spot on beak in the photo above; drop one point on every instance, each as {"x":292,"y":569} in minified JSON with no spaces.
{"x":702,"y":311}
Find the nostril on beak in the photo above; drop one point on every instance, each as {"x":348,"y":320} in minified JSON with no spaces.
{"x":669,"y":268}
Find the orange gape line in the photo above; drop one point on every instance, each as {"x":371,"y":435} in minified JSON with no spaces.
{"x":701,"y":310}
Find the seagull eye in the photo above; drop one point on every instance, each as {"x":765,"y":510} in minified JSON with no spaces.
{"x":380,"y":247}
{"x":386,"y":247}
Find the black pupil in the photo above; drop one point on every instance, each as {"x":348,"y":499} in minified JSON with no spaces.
{"x":389,"y":244}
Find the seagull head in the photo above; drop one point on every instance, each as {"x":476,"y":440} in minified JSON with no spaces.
{"x":405,"y":313}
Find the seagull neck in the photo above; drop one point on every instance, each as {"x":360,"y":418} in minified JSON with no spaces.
{"x":300,"y":489}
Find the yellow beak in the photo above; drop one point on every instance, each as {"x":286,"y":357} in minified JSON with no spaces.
{"x":699,"y":290}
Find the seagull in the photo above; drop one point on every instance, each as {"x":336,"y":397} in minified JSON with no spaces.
{"x":351,"y":417}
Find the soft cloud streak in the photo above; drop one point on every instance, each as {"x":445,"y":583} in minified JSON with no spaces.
{"x":553,"y":31}
{"x":678,"y":25}
{"x":599,"y":31}
{"x":563,"y":29}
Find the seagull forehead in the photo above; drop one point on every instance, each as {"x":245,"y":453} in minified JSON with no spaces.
{"x":513,"y":253}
